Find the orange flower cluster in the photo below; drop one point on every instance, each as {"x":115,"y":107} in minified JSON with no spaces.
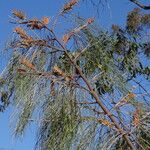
{"x":21,"y":32}
{"x":26,"y":40}
{"x":131,"y":95}
{"x":69,"y":5}
{"x":27,"y":63}
{"x":125,"y":99}
{"x":59,"y":72}
{"x":19,"y":14}
{"x":106,"y":123}
{"x":67,"y":37}
{"x":33,"y":23}
{"x":136,"y":117}
{"x":45,"y":20}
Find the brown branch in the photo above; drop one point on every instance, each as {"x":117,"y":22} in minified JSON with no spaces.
{"x":146,"y":7}
{"x":91,"y":90}
{"x":109,"y":114}
{"x":94,"y":94}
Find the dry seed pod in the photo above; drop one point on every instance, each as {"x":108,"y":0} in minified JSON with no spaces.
{"x":69,"y":5}
{"x":67,"y":37}
{"x":136,"y":117}
{"x":20,"y":32}
{"x":19,"y":14}
{"x":27,"y":63}
{"x":59,"y":72}
{"x":106,"y":123}
{"x":131,"y":95}
{"x":125,"y":99}
{"x":45,"y":20}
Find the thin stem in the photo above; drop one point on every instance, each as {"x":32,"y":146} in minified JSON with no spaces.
{"x":140,"y":4}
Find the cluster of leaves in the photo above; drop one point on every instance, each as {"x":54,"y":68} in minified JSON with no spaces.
{"x":130,"y":44}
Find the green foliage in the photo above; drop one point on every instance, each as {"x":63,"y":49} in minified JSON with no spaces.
{"x":134,"y":21}
{"x":66,"y":111}
{"x":59,"y":124}
{"x":129,"y":45}
{"x":4,"y":101}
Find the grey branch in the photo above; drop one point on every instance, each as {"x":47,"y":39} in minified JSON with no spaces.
{"x":146,"y":7}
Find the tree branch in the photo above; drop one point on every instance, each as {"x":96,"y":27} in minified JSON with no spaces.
{"x":146,"y":7}
{"x":96,"y":97}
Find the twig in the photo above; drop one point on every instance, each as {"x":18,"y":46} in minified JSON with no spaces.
{"x":140,"y":4}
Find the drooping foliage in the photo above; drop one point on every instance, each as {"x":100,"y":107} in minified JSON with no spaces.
{"x":43,"y":82}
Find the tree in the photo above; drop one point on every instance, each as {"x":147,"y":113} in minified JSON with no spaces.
{"x":81,"y":96}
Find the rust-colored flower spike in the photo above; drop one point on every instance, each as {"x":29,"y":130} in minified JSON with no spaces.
{"x":73,"y":2}
{"x":19,"y":14}
{"x":69,"y":5}
{"x":125,"y":99}
{"x":131,"y":95}
{"x":67,"y":37}
{"x":136,"y":117}
{"x":106,"y":123}
{"x":58,"y":72}
{"x":45,"y":20}
{"x":21,"y":32}
{"x":27,"y":63}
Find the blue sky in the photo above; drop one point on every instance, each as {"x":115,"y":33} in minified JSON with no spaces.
{"x":113,"y":13}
